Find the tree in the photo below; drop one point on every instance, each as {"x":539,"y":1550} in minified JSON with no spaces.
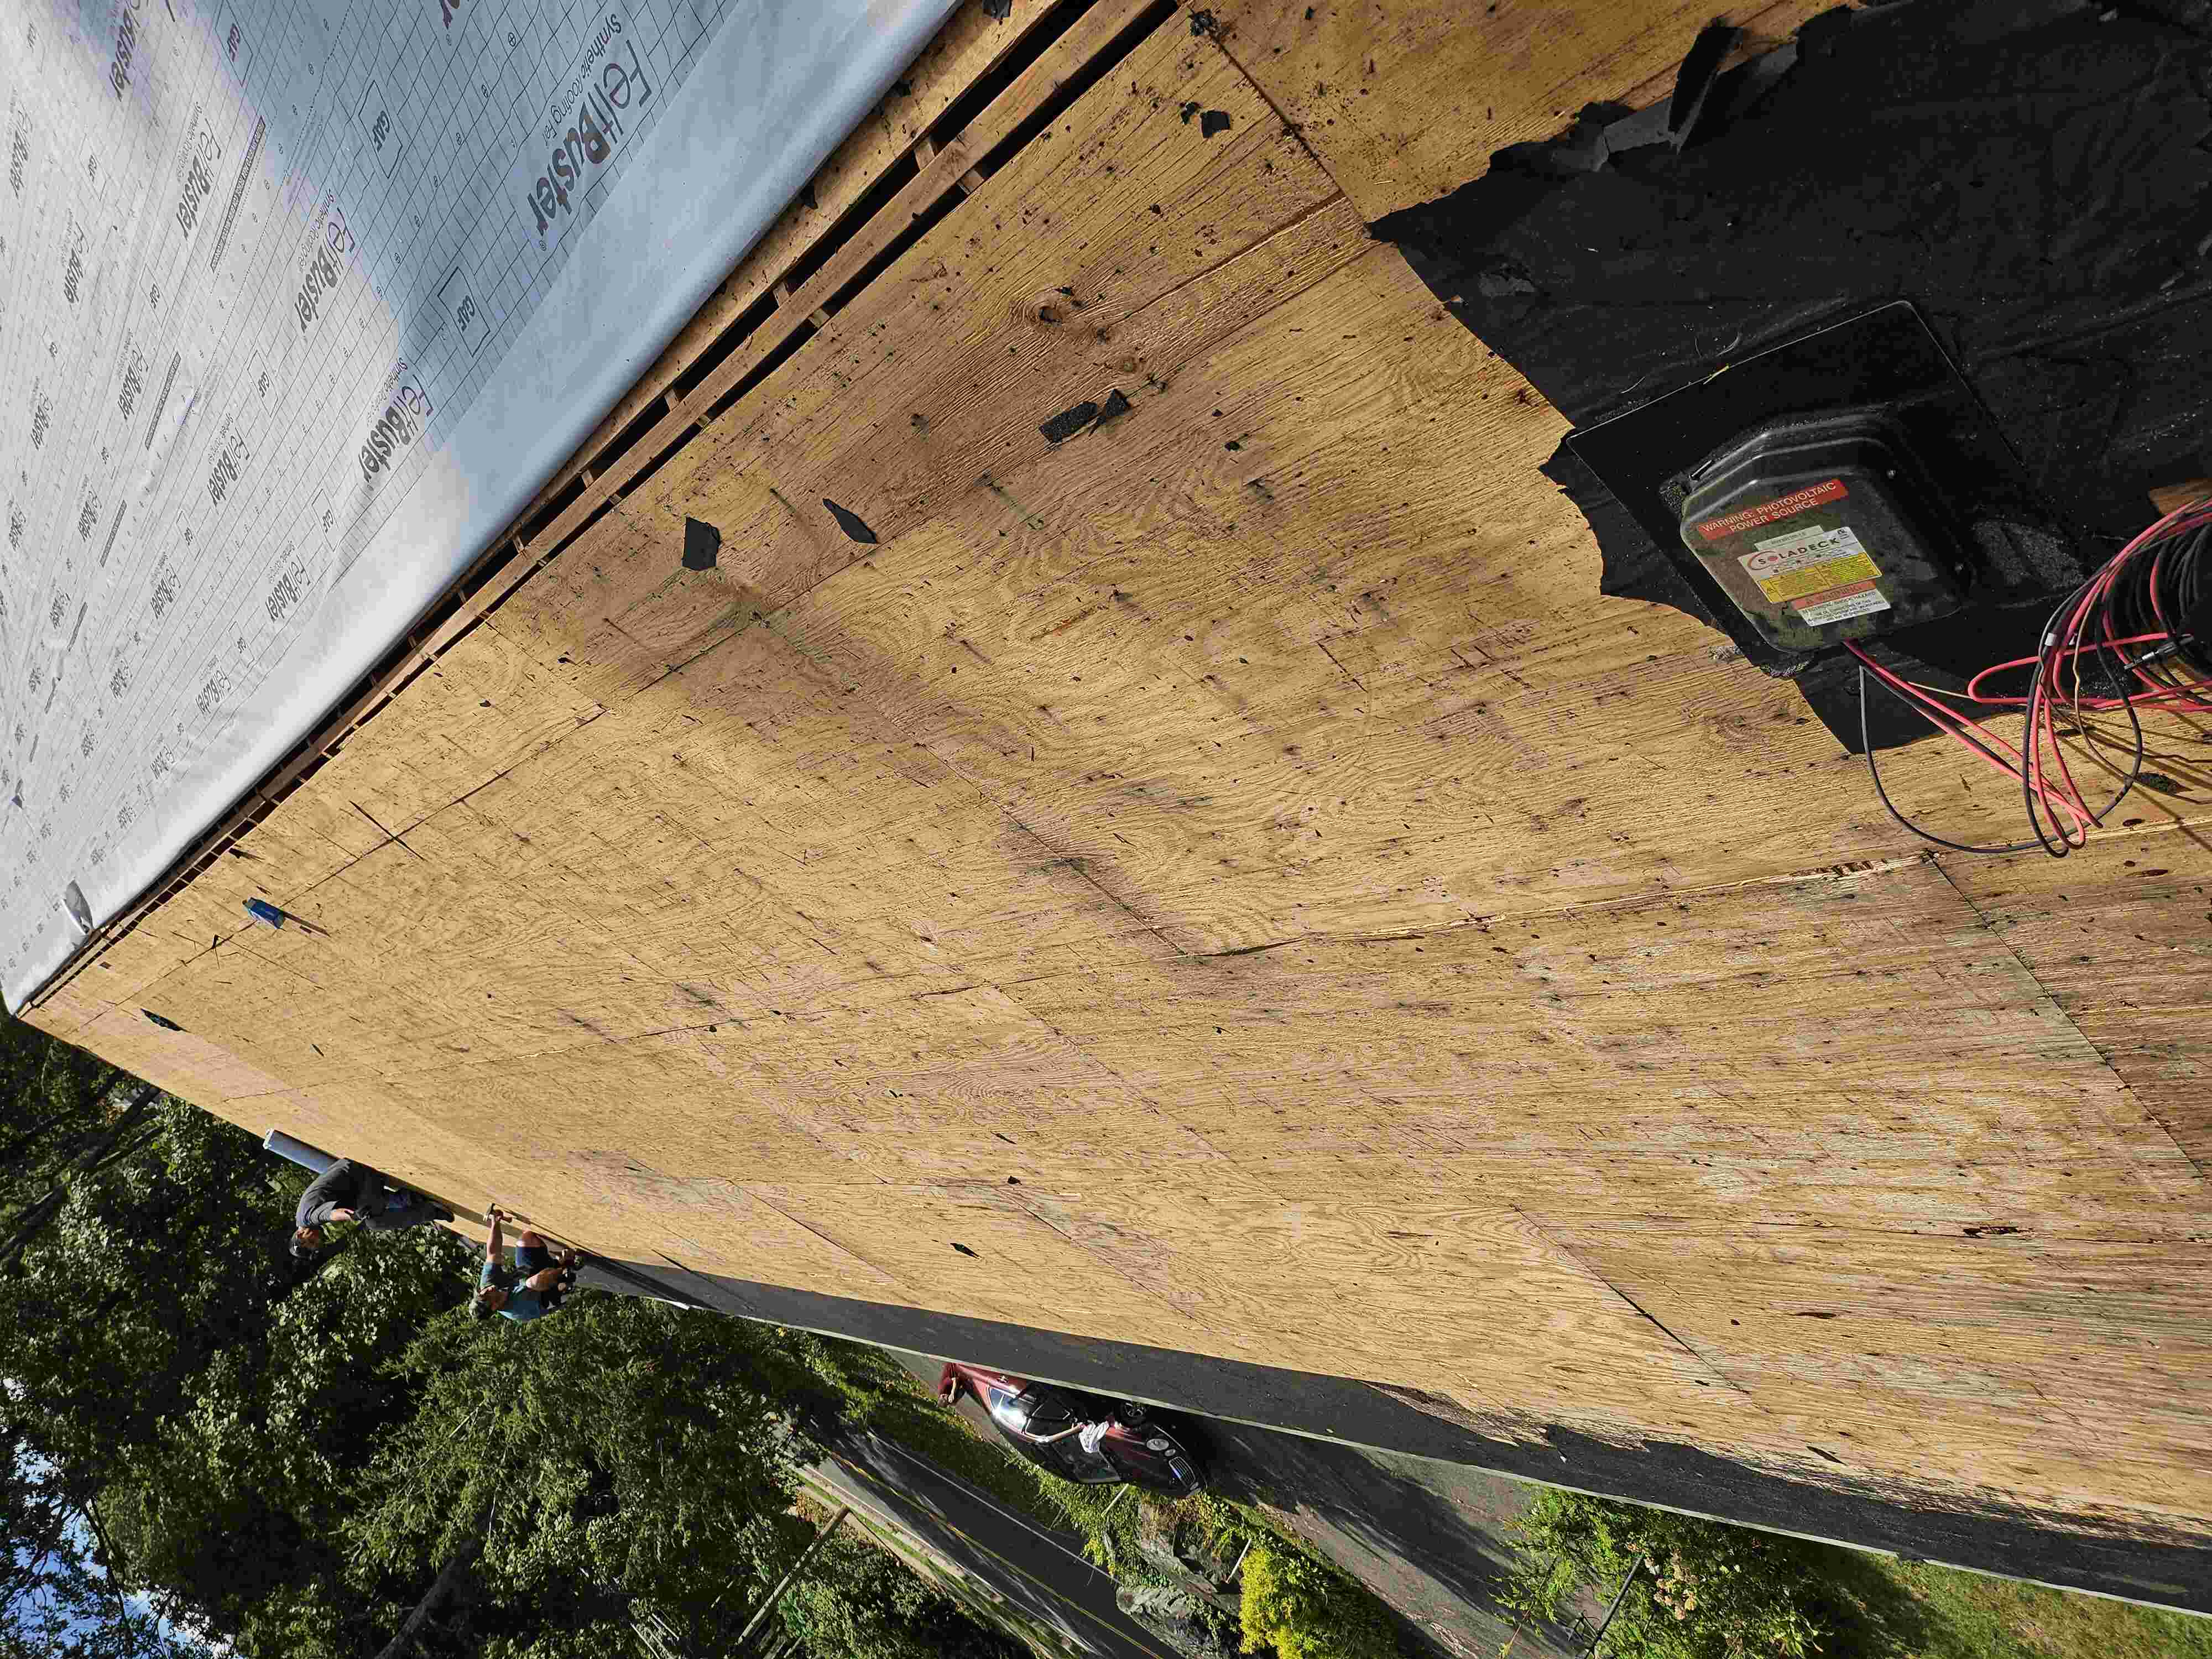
{"x":60,"y":1597}
{"x":49,"y":1092}
{"x":243,"y":1497}
{"x":860,"y":1603}
{"x":620,"y":1452}
{"x":153,"y":1265}
{"x":169,"y":1396}
{"x":300,"y":1462}
{"x":58,"y":1109}
{"x":80,"y":1339}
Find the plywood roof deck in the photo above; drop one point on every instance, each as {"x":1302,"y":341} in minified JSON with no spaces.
{"x":1230,"y":870}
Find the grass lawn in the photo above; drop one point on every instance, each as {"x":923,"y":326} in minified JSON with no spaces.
{"x":1969,"y":1617}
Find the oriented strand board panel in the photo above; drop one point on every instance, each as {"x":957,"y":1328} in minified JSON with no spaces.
{"x":1214,"y":873}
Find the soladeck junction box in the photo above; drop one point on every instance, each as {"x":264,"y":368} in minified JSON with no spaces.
{"x":1820,"y":532}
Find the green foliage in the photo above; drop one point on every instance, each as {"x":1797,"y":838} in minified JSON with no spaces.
{"x":857,"y":1602}
{"x":242,"y":1492}
{"x":294,"y":1461}
{"x":623,"y":1450}
{"x":1721,"y":1591}
{"x":151,"y":1268}
{"x":878,"y":1393}
{"x":1304,"y":1608}
{"x":68,"y":1127}
{"x":53,"y":1101}
{"x":1294,"y":1601}
{"x":881,"y":1394}
{"x":1708,"y":1591}
{"x":1963,"y":1615}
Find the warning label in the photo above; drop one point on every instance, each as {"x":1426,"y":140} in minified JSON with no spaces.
{"x":1782,"y":506}
{"x":1808,"y":562}
{"x":1824,"y":574}
{"x":1835,"y":607}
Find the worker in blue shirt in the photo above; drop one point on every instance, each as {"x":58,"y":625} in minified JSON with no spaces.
{"x":530,"y":1289}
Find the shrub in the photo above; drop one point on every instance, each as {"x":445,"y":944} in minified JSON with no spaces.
{"x":1708,"y":1591}
{"x":1304,"y":1608}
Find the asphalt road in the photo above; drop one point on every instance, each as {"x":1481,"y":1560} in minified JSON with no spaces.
{"x":1044,"y":1576}
{"x":1429,"y":1538}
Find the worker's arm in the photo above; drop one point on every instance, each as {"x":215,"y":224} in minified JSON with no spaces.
{"x":332,"y":1195}
{"x":492,"y":1245}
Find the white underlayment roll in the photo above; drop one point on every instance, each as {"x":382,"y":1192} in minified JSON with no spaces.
{"x":301,"y":301}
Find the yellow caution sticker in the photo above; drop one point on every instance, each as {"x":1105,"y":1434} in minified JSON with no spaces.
{"x":1808,"y":562}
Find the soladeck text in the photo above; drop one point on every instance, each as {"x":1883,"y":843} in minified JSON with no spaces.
{"x":602,"y":108}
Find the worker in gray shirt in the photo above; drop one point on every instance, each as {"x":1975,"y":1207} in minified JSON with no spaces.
{"x":348,"y":1191}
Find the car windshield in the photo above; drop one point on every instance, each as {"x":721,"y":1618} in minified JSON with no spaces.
{"x":1047,"y":1413}
{"x":1007,"y":1410}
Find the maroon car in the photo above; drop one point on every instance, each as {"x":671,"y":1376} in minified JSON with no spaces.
{"x":1078,"y":1436}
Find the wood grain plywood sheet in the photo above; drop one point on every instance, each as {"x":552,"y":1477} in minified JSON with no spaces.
{"x":1225,"y":868}
{"x":1882,"y":1349}
{"x":961,"y":1082}
{"x":908,"y":1233}
{"x":2123,"y":945}
{"x":971,"y":45}
{"x":970,"y":329}
{"x":1405,"y":102}
{"x":1646,"y":1085}
{"x":1463,"y":1290}
{"x":717,"y":1225}
{"x":181,"y":1062}
{"x":1265,"y":680}
{"x":1755,"y":1046}
{"x":655,"y":1101}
